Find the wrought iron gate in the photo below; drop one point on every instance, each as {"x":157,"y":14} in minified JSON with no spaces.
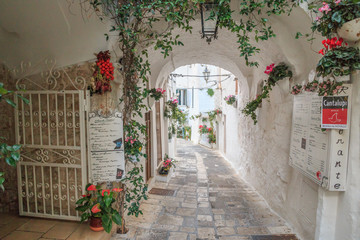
{"x":52,"y":173}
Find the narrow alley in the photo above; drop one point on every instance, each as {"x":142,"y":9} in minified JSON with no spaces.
{"x":209,"y":202}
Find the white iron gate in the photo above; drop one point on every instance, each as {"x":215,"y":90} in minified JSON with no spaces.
{"x":52,"y":173}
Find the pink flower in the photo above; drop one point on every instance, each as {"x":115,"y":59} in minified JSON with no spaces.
{"x":325,"y":8}
{"x":335,"y":91}
{"x":337,"y":1}
{"x":269,"y":69}
{"x":338,"y":87}
{"x":325,"y":94}
{"x":317,"y":19}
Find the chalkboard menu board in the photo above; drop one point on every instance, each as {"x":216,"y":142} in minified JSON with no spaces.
{"x":106,"y":148}
{"x":309,"y":145}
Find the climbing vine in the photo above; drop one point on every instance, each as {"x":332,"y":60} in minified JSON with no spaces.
{"x":133,"y":24}
{"x":9,"y":153}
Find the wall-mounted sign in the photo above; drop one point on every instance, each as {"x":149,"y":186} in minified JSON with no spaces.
{"x":321,"y":156}
{"x":106,"y":148}
{"x":334,"y":112}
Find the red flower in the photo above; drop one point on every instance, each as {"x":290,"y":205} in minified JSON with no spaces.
{"x":321,"y":52}
{"x":117,"y":189}
{"x":88,"y":195}
{"x":201,"y":126}
{"x":91,"y":188}
{"x":269,"y":68}
{"x":104,"y":191}
{"x":95,"y":208}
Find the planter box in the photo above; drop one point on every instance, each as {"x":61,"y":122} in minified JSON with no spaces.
{"x":204,"y":140}
{"x":164,"y":178}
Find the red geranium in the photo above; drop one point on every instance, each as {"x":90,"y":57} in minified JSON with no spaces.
{"x":269,"y":69}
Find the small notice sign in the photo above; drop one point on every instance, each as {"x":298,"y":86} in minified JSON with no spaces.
{"x":334,"y":112}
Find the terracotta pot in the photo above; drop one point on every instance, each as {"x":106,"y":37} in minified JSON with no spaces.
{"x":96,"y":224}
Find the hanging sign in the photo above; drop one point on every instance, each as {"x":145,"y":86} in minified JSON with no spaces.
{"x":106,"y":148}
{"x":334,"y":112}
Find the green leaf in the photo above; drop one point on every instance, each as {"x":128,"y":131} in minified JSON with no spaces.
{"x":106,"y":222}
{"x":336,"y":17}
{"x":16,"y":147}
{"x":116,"y":218}
{"x":15,"y":156}
{"x":107,"y":200}
{"x":11,"y":102}
{"x":10,"y":161}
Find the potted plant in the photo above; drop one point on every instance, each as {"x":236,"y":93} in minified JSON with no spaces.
{"x":311,"y":86}
{"x":329,"y":87}
{"x":96,"y":205}
{"x":296,"y":89}
{"x":230,"y":100}
{"x":337,"y":60}
{"x":166,"y":165}
{"x":157,"y":93}
{"x":334,"y":15}
{"x":276,"y":73}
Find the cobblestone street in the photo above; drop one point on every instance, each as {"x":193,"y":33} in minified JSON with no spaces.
{"x":210,"y":202}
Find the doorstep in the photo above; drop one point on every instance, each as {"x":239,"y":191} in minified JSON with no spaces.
{"x":14,"y":227}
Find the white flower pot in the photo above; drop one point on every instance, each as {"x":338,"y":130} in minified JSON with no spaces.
{"x":350,"y":31}
{"x":345,"y":78}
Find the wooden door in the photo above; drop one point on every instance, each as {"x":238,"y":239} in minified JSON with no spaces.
{"x":148,"y":145}
{"x":224,"y":133}
{"x":158,"y":133}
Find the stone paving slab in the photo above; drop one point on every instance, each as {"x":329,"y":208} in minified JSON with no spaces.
{"x":210,"y":202}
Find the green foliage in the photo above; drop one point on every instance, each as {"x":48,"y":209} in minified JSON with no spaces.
{"x":210,"y":92}
{"x":99,"y":203}
{"x":340,"y":13}
{"x":339,"y":62}
{"x":133,"y":24}
{"x":10,"y":154}
{"x":278,"y":73}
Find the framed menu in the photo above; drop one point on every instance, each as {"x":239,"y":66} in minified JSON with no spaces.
{"x":106,"y":147}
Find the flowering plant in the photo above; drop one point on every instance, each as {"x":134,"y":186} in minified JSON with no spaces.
{"x":133,"y":147}
{"x":157,"y":93}
{"x":296,"y":89}
{"x":269,"y":69}
{"x":338,"y":59}
{"x":167,"y":164}
{"x":276,"y":74}
{"x":103,"y":73}
{"x":329,"y":87}
{"x":334,"y":13}
{"x":311,"y":86}
{"x":230,"y":99}
{"x":97,"y":202}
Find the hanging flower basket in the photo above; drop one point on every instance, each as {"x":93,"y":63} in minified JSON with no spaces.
{"x":230,"y":100}
{"x":350,"y":31}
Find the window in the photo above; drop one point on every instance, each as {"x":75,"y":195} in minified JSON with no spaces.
{"x":182,"y":96}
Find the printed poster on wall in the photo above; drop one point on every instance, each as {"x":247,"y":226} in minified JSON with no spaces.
{"x":334,"y":112}
{"x":106,"y":148}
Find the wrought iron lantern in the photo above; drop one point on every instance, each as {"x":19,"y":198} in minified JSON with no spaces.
{"x":209,"y":21}
{"x":206,"y":74}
